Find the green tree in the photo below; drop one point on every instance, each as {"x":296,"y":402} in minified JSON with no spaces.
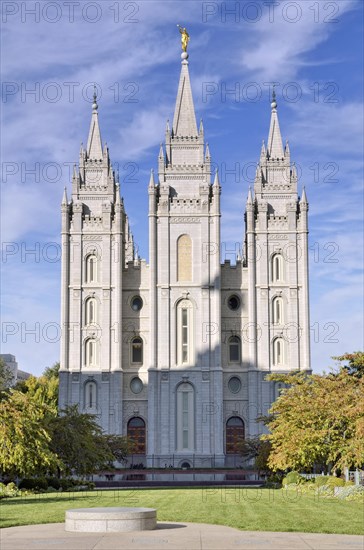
{"x":257,"y":449}
{"x":78,"y":441}
{"x":6,"y":378}
{"x":317,"y":419}
{"x":24,"y":439}
{"x":120,"y":447}
{"x":355,"y":363}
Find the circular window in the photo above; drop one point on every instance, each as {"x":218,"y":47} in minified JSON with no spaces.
{"x":136,"y":303}
{"x":234,"y":384}
{"x":234,"y":302}
{"x":136,"y":385}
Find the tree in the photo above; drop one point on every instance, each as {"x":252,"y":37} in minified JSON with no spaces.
{"x":120,"y":447}
{"x":24,"y":439}
{"x":355,"y":361}
{"x":6,"y":378}
{"x":317,"y":419}
{"x":78,"y":441}
{"x":258,"y":449}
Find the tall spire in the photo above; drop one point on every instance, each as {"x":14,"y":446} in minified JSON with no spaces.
{"x":274,"y":145}
{"x":94,"y":145}
{"x":184,"y":121}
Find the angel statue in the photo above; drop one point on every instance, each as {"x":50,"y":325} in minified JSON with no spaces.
{"x":185,"y":37}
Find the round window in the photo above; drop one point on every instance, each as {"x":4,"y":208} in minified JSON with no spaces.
{"x":136,"y":303}
{"x":136,"y":385}
{"x":234,"y":302}
{"x":234,"y":384}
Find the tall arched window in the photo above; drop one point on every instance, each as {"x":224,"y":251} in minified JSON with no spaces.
{"x":184,"y":258}
{"x":137,"y":350}
{"x":185,"y":417}
{"x":137,"y":433}
{"x":90,"y":395}
{"x":277,"y":268}
{"x":91,"y":353}
{"x":277,"y":310}
{"x":278,"y":351}
{"x":234,"y":349}
{"x":91,"y":268}
{"x":235,"y":434}
{"x":184,"y":332}
{"x":91,"y":311}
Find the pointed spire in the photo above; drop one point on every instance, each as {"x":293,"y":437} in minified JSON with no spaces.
{"x":117,"y":192}
{"x":216,"y":179}
{"x":151,"y":180}
{"x":64,"y":198}
{"x":167,"y":127}
{"x":161,"y":152}
{"x":250,"y":197}
{"x":263,"y":151}
{"x":207,"y":152}
{"x":274,"y":146}
{"x":94,"y":145}
{"x":201,"y":127}
{"x":184,"y":120}
{"x":303,"y":198}
{"x":287,"y":151}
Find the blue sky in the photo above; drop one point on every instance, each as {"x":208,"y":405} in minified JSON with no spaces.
{"x":312,"y":50}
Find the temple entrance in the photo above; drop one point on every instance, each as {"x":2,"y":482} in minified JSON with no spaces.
{"x":235,"y":433}
{"x":137,"y":432}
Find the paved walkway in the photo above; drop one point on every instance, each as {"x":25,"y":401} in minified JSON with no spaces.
{"x":176,"y":536}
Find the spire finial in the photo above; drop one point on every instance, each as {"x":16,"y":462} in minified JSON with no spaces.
{"x":94,"y":105}
{"x":274,"y":98}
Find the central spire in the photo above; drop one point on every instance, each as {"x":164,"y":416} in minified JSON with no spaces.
{"x":274,"y":145}
{"x":184,"y":120}
{"x":94,"y":145}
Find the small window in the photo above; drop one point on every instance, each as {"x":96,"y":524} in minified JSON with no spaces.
{"x":137,"y":350}
{"x":234,"y":384}
{"x":90,"y":311}
{"x":90,"y":395}
{"x":136,"y":385}
{"x":278,"y":351}
{"x":277,"y":311}
{"x":91,"y":358}
{"x":277,"y":268}
{"x":234,"y":302}
{"x":234,"y":349}
{"x":184,"y":332}
{"x":91,"y":269}
{"x":136,"y":303}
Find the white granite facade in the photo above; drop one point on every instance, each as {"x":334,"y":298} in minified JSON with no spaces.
{"x":181,"y":346}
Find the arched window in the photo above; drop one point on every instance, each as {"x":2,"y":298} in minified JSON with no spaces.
{"x":90,"y":311}
{"x":91,"y":353}
{"x":90,"y":395}
{"x":91,"y":268}
{"x":137,"y":433}
{"x":185,"y":417}
{"x":277,"y":268}
{"x":184,"y":332}
{"x":235,"y":434}
{"x":137,"y":350}
{"x":277,"y":310}
{"x":184,"y":258}
{"x":278,"y":351}
{"x":234,"y":349}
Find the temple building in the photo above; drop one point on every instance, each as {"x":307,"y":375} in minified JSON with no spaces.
{"x":174,"y":352}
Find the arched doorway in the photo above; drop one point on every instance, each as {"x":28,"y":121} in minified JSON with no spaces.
{"x":235,"y":433}
{"x":136,"y":432}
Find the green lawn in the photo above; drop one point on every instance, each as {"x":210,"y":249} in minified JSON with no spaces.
{"x":247,"y":509}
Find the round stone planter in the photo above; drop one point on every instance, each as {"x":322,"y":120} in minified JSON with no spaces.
{"x":110,"y":520}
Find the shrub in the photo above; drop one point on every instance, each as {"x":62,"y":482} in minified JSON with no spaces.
{"x":335,"y":482}
{"x":37,"y":484}
{"x":292,"y":478}
{"x":321,"y":480}
{"x":66,"y":484}
{"x":54,"y":482}
{"x":9,"y":490}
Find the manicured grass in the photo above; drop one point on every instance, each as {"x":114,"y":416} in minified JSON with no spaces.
{"x":247,"y":509}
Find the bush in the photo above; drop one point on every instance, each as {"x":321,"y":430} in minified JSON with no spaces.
{"x":9,"y":490}
{"x":329,"y":481}
{"x":54,"y":482}
{"x":292,"y":478}
{"x":36,"y":484}
{"x":66,"y":484}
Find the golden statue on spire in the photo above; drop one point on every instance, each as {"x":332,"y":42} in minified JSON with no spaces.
{"x":185,"y":37}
